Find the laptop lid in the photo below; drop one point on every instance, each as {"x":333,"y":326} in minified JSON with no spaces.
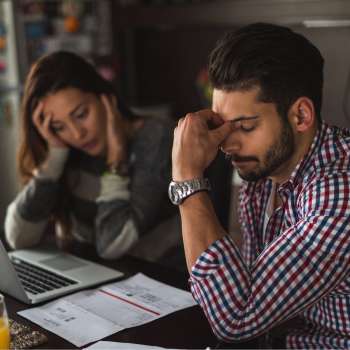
{"x":81,"y":272}
{"x":9,"y":282}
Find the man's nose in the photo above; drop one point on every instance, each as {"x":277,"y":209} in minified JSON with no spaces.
{"x":230,"y":145}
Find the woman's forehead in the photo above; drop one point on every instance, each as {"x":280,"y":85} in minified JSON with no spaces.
{"x":64,"y":101}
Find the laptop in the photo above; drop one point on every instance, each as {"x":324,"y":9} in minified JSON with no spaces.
{"x":36,"y":275}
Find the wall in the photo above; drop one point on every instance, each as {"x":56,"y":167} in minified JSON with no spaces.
{"x":8,"y":144}
{"x":9,"y":102}
{"x":334,"y":46}
{"x":166,"y":61}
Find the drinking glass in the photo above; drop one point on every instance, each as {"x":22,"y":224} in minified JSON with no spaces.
{"x":4,"y":325}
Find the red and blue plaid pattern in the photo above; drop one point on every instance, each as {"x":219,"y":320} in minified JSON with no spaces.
{"x":299,"y":266}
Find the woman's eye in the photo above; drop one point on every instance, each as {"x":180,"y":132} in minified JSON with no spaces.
{"x":82,"y":114}
{"x":56,"y":128}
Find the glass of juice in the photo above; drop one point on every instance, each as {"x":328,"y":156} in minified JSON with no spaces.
{"x":4,"y":325}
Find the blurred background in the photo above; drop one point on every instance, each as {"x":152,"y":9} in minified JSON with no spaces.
{"x":156,"y":52}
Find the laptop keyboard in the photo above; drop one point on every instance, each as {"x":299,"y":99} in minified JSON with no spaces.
{"x":37,"y":280}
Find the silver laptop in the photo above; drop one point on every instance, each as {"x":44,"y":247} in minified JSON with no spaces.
{"x":34,"y":275}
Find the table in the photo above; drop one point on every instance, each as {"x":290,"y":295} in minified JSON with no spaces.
{"x":185,"y":329}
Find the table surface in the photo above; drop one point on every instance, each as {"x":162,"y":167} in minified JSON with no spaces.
{"x":183,"y":329}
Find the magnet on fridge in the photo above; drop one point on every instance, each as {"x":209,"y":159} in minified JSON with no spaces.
{"x":5,"y":112}
{"x":2,"y":66}
{"x":2,"y":29}
{"x":8,"y":113}
{"x":2,"y":37}
{"x":35,"y":30}
{"x":2,"y":43}
{"x":71,"y":24}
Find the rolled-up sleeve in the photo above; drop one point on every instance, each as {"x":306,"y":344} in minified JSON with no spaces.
{"x":302,"y":265}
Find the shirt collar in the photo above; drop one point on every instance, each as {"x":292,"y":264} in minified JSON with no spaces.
{"x":304,"y":165}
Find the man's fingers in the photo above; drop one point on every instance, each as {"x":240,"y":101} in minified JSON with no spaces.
{"x":218,"y":129}
{"x":212,"y":119}
{"x":180,"y":121}
{"x":219,"y":134}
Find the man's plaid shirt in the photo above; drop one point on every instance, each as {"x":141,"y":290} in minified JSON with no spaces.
{"x":300,"y":265}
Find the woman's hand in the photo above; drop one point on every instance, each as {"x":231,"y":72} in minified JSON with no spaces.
{"x":115,"y":133}
{"x":196,"y":144}
{"x":42,"y":124}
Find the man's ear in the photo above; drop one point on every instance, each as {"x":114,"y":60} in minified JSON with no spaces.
{"x":302,"y":114}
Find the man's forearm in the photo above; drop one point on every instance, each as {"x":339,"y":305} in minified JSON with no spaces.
{"x":200,"y":226}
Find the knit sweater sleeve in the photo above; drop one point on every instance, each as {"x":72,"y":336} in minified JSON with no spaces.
{"x":27,"y":216}
{"x":129,"y":207}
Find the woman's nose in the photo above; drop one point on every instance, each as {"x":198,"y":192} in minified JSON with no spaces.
{"x":78,"y":132}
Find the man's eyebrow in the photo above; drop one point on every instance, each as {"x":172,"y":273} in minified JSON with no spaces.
{"x":243,"y":117}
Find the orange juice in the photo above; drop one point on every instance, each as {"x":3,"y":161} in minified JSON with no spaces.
{"x":4,"y":335}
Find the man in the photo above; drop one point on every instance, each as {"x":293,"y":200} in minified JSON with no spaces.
{"x":294,"y":203}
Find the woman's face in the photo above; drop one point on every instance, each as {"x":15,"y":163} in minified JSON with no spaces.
{"x":78,"y":119}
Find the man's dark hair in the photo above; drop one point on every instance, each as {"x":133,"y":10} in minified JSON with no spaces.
{"x":282,"y":63}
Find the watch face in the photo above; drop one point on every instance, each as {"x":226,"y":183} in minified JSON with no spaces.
{"x":179,"y":191}
{"x":173,"y":193}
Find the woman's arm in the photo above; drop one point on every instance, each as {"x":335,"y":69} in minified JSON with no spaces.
{"x":128,"y":207}
{"x":28,"y":214}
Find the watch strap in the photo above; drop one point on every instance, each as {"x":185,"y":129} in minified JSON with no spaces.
{"x":180,"y":190}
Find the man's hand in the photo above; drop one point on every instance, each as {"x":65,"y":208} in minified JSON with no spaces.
{"x":115,"y":134}
{"x":196,"y":141}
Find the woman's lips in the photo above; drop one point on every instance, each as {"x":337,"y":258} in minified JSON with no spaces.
{"x":89,"y":145}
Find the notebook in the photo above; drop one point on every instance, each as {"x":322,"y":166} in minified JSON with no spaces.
{"x":36,"y":275}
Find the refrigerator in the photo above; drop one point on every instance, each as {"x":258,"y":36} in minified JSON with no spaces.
{"x":28,"y":30}
{"x":10,"y":90}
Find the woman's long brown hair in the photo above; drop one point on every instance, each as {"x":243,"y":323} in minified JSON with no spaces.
{"x":48,"y":75}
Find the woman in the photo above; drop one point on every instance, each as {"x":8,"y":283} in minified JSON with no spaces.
{"x":87,"y":163}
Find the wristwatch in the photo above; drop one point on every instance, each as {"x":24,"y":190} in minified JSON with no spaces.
{"x":179,"y":190}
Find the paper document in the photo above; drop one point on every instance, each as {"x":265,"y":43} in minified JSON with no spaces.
{"x":109,"y":345}
{"x":91,"y":315}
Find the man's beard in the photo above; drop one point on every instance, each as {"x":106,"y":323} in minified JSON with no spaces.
{"x":279,"y":153}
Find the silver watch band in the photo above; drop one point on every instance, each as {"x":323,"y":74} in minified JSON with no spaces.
{"x":180,"y":190}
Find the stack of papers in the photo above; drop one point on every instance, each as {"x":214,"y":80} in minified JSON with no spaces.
{"x":108,"y":345}
{"x":91,"y":315}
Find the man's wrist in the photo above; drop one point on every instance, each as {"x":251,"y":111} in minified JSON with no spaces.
{"x":186,"y":176}
{"x":178,"y":191}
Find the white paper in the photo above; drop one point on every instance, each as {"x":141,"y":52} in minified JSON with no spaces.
{"x":88,"y":316}
{"x":109,"y":345}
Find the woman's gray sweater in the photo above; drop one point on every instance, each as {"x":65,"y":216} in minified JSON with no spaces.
{"x":106,"y":210}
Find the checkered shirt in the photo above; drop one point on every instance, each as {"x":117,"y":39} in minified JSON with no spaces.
{"x":300,"y":265}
